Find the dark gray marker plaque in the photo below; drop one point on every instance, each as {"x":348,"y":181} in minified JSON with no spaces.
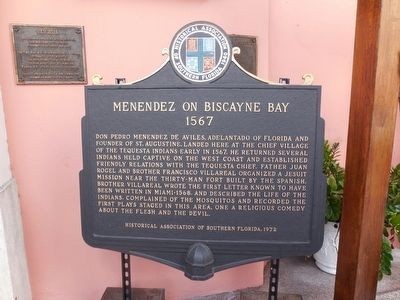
{"x":229,"y":171}
{"x":49,"y":54}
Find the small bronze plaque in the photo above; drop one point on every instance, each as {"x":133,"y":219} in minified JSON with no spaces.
{"x":248,"y":51}
{"x":49,"y":54}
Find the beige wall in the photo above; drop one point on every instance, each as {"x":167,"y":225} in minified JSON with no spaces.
{"x":317,"y":36}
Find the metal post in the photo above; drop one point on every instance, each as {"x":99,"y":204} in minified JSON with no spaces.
{"x":273,"y":279}
{"x":120,"y":80}
{"x":284,"y":80}
{"x":125,"y":257}
{"x":126,"y":276}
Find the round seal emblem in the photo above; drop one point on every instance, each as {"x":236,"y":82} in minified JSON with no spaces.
{"x":200,"y":52}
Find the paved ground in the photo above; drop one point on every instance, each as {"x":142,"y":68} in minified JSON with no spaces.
{"x":299,"y":278}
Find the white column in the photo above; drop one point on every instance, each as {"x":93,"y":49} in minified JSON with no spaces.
{"x":14,"y":278}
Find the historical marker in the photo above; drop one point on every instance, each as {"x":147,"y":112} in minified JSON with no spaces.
{"x":49,"y":54}
{"x":201,"y":166}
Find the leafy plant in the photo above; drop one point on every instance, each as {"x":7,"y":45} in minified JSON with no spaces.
{"x":334,"y":182}
{"x":391,"y":228}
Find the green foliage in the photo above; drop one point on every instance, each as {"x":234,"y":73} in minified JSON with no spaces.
{"x":385,"y":265}
{"x":334,"y":180}
{"x":392,"y":222}
{"x":392,"y":214}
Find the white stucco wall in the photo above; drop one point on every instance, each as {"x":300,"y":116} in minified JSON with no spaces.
{"x":5,"y":170}
{"x":14,"y":279}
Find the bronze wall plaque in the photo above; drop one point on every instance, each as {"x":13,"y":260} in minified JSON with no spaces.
{"x":49,"y":54}
{"x":248,"y":51}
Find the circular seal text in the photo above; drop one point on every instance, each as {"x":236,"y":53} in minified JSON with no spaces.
{"x":200,"y":52}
